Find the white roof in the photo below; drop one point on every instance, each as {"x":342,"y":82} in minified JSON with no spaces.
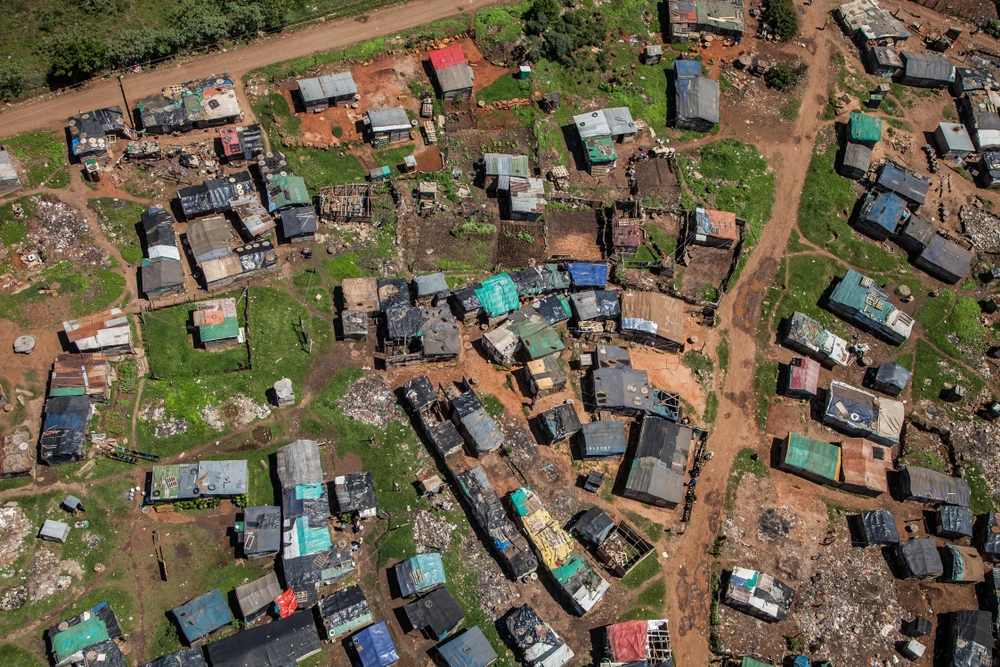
{"x":605,"y":123}
{"x":164,"y":252}
{"x":7,"y":171}
{"x":109,"y":337}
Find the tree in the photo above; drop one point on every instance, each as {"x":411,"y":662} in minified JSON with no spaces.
{"x":75,"y":57}
{"x":11,"y":80}
{"x":198,"y":24}
{"x":133,"y":46}
{"x":245,"y":19}
{"x":559,"y":46}
{"x":784,"y":77}
{"x":783,"y":19}
{"x":992,"y":28}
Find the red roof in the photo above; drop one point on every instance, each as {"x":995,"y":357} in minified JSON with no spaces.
{"x":805,"y":376}
{"x":447,"y":57}
{"x":230,"y":141}
{"x":627,"y":640}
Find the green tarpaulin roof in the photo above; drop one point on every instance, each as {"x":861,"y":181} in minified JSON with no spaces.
{"x":498,"y":295}
{"x":750,"y":662}
{"x":815,"y":456}
{"x":79,"y":637}
{"x":600,"y":150}
{"x":308,"y":491}
{"x":865,"y":128}
{"x":230,"y":328}
{"x":538,"y":338}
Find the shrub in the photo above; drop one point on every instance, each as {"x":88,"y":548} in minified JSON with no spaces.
{"x":11,"y":80}
{"x":783,"y":19}
{"x":75,"y":57}
{"x":992,"y":28}
{"x":784,"y":77}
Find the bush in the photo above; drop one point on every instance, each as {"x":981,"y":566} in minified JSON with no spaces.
{"x":784,"y":77}
{"x":11,"y":80}
{"x":133,"y":46}
{"x":75,"y":57}
{"x":992,"y":28}
{"x":783,"y":19}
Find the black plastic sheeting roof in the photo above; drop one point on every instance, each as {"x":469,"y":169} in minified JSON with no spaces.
{"x":880,"y":527}
{"x":559,"y":422}
{"x":404,"y":322}
{"x":972,"y":641}
{"x":930,"y":486}
{"x":437,"y":613}
{"x":952,"y":520}
{"x":189,"y":657}
{"x":419,"y":393}
{"x":892,"y":374}
{"x":594,"y":526}
{"x":298,"y":221}
{"x":529,"y":630}
{"x":280,"y":643}
{"x":991,"y":534}
{"x":466,"y":300}
{"x":64,"y":432}
{"x":393,"y":293}
{"x":596,"y":305}
{"x":921,"y":558}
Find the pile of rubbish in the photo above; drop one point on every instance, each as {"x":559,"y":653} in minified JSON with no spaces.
{"x":246,"y":410}
{"x":492,"y":587}
{"x":370,"y":401}
{"x":212,"y":416}
{"x":431,"y":532}
{"x":982,"y":228}
{"x":774,"y":525}
{"x":973,"y":439}
{"x":155,"y":411}
{"x":13,"y":598}
{"x":523,"y":448}
{"x":48,"y":574}
{"x":14,"y":527}
{"x":59,"y":232}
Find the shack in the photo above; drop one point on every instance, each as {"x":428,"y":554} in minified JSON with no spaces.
{"x":558,"y":423}
{"x":758,"y":594}
{"x":256,"y":597}
{"x":612,"y":356}
{"x":953,"y":141}
{"x":970,"y":639}
{"x":54,"y":531}
{"x":953,"y":522}
{"x":282,"y":191}
{"x":204,"y":479}
{"x":440,"y":339}
{"x":165,"y":276}
{"x":587,"y":275}
{"x":603,"y":439}
{"x":280,"y":643}
{"x":653,"y":319}
{"x":859,"y":300}
{"x":452,"y":73}
{"x":9,"y":180}
{"x":481,"y":433}
{"x":815,"y":460}
{"x":595,"y":305}
{"x":89,"y":131}
{"x":716,"y":229}
{"x":858,"y":413}
{"x":521,"y":198}
{"x":204,"y":102}
{"x":254,"y":218}
{"x":188,"y":657}
{"x":469,"y":649}
{"x":926,"y":70}
{"x":864,"y":129}
{"x":594,"y":526}
{"x":636,"y":643}
{"x":697,"y":97}
{"x":200,"y":617}
{"x":878,"y":527}
{"x":241,"y":144}
{"x":343,"y":612}
{"x":465,"y":303}
{"x":64,"y":431}
{"x":217,"y":323}
{"x":298,"y":224}
{"x":945,"y":260}
{"x":864,"y":467}
{"x":435,"y":615}
{"x":498,"y":297}
{"x":857,"y":161}
{"x":881,"y":215}
{"x":360,"y":295}
{"x":387,"y":126}
{"x":393,"y":293}
{"x":431,"y":289}
{"x":923,"y":485}
{"x":987,"y":534}
{"x":544,"y":375}
{"x":806,"y":335}
{"x":330,"y":90}
{"x":495,"y":165}
{"x":261,"y":534}
{"x":81,"y":375}
{"x":209,"y":238}
{"x":536,"y":642}
{"x":94,"y":629}
{"x":488,"y":511}
{"x":906,"y":183}
{"x":107,"y":331}
{"x":657,"y":473}
{"x":354,"y":494}
{"x":918,"y":558}
{"x":916,"y":235}
{"x":419,"y":573}
{"x":599,"y":152}
{"x":802,"y":378}
{"x":582,"y":586}
{"x":538,"y":280}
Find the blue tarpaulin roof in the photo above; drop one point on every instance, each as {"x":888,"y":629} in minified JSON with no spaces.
{"x":687,"y":69}
{"x":887,"y":210}
{"x":203,"y":615}
{"x":469,"y":649}
{"x":374,"y":646}
{"x":588,"y":275}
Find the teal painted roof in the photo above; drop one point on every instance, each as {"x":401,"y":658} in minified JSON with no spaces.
{"x":498,"y":295}
{"x":78,"y":637}
{"x":815,"y":456}
{"x":230,"y":328}
{"x":864,"y":128}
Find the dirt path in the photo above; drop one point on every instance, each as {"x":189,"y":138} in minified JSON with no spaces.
{"x":54,"y":110}
{"x":689,"y":583}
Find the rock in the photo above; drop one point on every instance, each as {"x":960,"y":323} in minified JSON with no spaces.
{"x":903,"y":291}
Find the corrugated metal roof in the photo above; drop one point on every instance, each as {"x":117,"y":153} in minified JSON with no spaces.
{"x":386,"y":120}
{"x":905,"y":182}
{"x":504,"y":164}
{"x":955,"y":137}
{"x":209,"y":238}
{"x":928,"y":66}
{"x":455,"y":78}
{"x":687,"y":69}
{"x":8,"y":175}
{"x":945,"y":255}
{"x":698,"y":98}
{"x":203,"y":615}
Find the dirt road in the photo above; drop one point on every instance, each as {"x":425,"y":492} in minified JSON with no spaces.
{"x":689,"y":583}
{"x":52,"y":111}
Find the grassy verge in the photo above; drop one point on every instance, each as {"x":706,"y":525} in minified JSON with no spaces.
{"x":653,"y":530}
{"x":88,"y":291}
{"x":765,"y":384}
{"x":40,"y":154}
{"x":118,"y":219}
{"x":983,"y":498}
{"x":922,"y":458}
{"x":506,"y":87}
{"x":809,"y":276}
{"x":643,"y":572}
{"x":931,"y":372}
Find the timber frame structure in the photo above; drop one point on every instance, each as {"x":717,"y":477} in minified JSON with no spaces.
{"x":350,"y":202}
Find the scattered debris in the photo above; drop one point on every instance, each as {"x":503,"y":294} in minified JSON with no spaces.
{"x":14,"y":598}
{"x":431,"y":532}
{"x":370,"y":401}
{"x":14,"y":527}
{"x":48,"y":574}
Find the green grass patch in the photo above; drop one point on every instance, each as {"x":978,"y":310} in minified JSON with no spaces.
{"x":809,"y":276}
{"x":172,"y":349}
{"x":983,"y":498}
{"x":40,"y":154}
{"x":931,"y":372}
{"x":393,"y":157}
{"x":506,"y":87}
{"x":652,"y":529}
{"x":711,"y":407}
{"x":697,"y":362}
{"x":118,"y":219}
{"x":827,"y":199}
{"x":664,"y":242}
{"x":58,"y":180}
{"x":15,"y":656}
{"x":309,"y":284}
{"x":722,"y":352}
{"x":88,"y":291}
{"x":653,"y":596}
{"x":278,"y":350}
{"x":364,"y":259}
{"x":747,"y":461}
{"x":493,"y":405}
{"x":790,"y":110}
{"x":765,"y":384}
{"x":922,"y":458}
{"x":648,"y":568}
